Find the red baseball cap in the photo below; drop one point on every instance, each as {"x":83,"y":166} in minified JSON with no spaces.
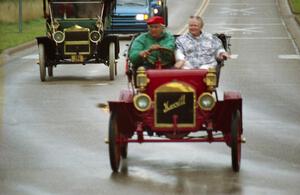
{"x":156,"y":20}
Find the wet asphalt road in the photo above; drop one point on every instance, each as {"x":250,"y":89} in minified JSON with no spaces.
{"x":52,"y":134}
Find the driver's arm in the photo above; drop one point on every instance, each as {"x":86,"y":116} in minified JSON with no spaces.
{"x":136,"y":48}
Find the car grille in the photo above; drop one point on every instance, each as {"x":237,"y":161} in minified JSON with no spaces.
{"x":169,"y":104}
{"x":76,"y":36}
{"x":127,"y":24}
{"x":77,"y":42}
{"x":77,"y":48}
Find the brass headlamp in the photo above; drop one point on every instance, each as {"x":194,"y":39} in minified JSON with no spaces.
{"x":141,"y":78}
{"x":211,"y":79}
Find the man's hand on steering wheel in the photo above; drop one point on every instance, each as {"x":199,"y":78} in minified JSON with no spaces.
{"x":146,"y":53}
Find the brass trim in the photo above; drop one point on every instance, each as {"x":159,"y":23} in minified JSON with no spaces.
{"x":141,"y":79}
{"x":135,"y":100}
{"x":211,"y":79}
{"x":199,"y":100}
{"x":76,"y":28}
{"x":75,"y":53}
{"x":175,"y":87}
{"x":77,"y":58}
{"x":77,"y":42}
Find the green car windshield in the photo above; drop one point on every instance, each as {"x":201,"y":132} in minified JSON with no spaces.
{"x":76,"y":9}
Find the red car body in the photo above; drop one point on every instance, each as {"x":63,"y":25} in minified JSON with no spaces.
{"x":170,"y":105}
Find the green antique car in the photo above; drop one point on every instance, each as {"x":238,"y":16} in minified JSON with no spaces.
{"x":76,"y":34}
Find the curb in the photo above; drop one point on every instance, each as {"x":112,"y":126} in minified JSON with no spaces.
{"x":289,"y":19}
{"x":5,"y":56}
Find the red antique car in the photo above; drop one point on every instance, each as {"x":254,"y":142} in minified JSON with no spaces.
{"x":167,"y":105}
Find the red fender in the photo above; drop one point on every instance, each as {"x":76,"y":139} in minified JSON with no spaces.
{"x":231,"y":95}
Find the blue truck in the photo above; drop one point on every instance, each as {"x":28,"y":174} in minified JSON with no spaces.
{"x":130,"y":16}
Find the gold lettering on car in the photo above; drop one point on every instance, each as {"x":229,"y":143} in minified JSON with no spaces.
{"x":180,"y":102}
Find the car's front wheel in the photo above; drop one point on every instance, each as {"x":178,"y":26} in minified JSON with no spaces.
{"x":112,"y":61}
{"x":42,"y":62}
{"x":236,"y":140}
{"x":114,"y":146}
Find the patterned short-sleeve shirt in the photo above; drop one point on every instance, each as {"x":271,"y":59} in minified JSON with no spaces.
{"x":201,"y":50}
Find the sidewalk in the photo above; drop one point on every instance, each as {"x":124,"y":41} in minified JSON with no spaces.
{"x":7,"y":54}
{"x":289,"y":19}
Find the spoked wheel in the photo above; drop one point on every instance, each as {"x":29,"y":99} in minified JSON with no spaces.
{"x":42,"y":62}
{"x":112,"y":64}
{"x":115,"y":149}
{"x":50,"y":71}
{"x":235,"y":140}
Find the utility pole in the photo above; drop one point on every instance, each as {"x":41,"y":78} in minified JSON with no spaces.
{"x":20,"y":16}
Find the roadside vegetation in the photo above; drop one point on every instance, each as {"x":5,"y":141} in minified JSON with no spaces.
{"x":295,"y":6}
{"x":33,"y":25}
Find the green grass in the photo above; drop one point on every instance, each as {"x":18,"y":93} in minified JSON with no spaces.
{"x":10,"y":36}
{"x":295,"y":6}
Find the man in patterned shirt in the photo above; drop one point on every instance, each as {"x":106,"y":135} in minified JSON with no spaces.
{"x":198,"y":49}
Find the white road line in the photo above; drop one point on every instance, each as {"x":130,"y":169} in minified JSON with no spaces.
{"x":226,"y":4}
{"x":31,"y":57}
{"x":234,"y":56}
{"x":247,"y":30}
{"x":235,"y":12}
{"x":234,"y":17}
{"x":289,"y":57}
{"x":243,"y":24}
{"x":260,"y":38}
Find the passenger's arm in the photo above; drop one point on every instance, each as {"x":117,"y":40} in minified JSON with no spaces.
{"x":221,"y":54}
{"x":179,"y":55}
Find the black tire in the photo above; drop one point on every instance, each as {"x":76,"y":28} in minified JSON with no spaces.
{"x":42,"y":62}
{"x":50,"y":71}
{"x":124,"y":149}
{"x":236,"y":141}
{"x":114,"y":147}
{"x":112,"y":64}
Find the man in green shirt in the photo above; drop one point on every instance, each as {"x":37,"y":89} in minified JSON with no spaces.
{"x":149,"y":44}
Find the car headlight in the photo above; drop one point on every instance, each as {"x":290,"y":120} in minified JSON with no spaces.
{"x":141,"y":17}
{"x":142,"y":102}
{"x":59,"y":36}
{"x":206,"y":101}
{"x":141,"y":78}
{"x":95,"y":36}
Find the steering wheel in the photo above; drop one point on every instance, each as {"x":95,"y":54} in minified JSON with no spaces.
{"x":161,"y":57}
